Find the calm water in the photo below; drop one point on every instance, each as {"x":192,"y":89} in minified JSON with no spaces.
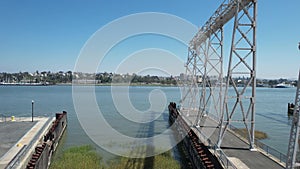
{"x":271,"y":110}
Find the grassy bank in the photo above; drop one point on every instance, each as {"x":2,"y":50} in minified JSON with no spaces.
{"x":77,"y":158}
{"x":85,"y":157}
{"x":258,"y":134}
{"x":162,"y":161}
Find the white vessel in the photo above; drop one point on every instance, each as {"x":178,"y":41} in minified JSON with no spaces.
{"x":283,"y":85}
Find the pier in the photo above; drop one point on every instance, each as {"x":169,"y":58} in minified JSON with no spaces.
{"x":27,"y":144}
{"x":201,"y":145}
{"x":208,"y":113}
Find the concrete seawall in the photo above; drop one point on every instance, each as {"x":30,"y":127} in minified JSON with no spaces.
{"x":33,"y":142}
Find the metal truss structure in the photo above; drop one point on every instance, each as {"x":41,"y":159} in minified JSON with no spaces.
{"x":211,"y":99}
{"x":205,"y":62}
{"x":193,"y":74}
{"x":242,"y":64}
{"x":293,"y":148}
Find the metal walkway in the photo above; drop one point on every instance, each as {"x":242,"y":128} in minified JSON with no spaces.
{"x":235,"y":149}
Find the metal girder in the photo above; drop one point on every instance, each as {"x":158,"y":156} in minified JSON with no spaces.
{"x":293,"y":148}
{"x":205,"y":61}
{"x":204,"y":67}
{"x":211,"y":99}
{"x":193,"y":75}
{"x":202,"y":100}
{"x":202,"y":93}
{"x":242,"y":65}
{"x":222,"y":15}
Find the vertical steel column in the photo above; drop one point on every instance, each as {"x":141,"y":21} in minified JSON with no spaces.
{"x":206,"y":62}
{"x":190,"y":99}
{"x":210,"y":102}
{"x":293,"y":147}
{"x":241,"y":76}
{"x":253,"y":98}
{"x":202,"y":105}
{"x":187,"y":82}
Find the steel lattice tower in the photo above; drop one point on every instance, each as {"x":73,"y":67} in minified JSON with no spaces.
{"x":204,"y":75}
{"x":240,"y":107}
{"x":211,"y":88}
{"x":293,"y":148}
{"x":193,"y":75}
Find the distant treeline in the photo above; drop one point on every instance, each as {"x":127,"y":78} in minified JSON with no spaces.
{"x":48,"y":77}
{"x":37,"y":77}
{"x":60,"y":77}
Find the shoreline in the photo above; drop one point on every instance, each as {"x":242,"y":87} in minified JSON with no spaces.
{"x":109,"y":84}
{"x":102,"y":84}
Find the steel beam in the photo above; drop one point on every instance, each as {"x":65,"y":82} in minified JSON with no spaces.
{"x":293,"y":148}
{"x":222,"y":15}
{"x":242,"y":66}
{"x":193,"y":75}
{"x":205,"y":62}
{"x":211,"y":91}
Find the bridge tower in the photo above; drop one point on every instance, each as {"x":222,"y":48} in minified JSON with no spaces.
{"x":293,"y":153}
{"x":241,"y":75}
{"x":204,"y":93}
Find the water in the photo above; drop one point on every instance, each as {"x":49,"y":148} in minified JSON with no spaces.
{"x":272,"y":117}
{"x":48,"y":100}
{"x":271,"y":110}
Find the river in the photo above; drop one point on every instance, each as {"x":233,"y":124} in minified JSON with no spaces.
{"x":271,"y":110}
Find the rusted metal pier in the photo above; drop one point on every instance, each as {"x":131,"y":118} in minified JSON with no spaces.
{"x":41,"y":157}
{"x":198,"y":153}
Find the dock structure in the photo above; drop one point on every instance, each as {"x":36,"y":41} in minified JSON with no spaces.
{"x":234,"y":151}
{"x":207,"y":107}
{"x":198,"y":153}
{"x":24,"y":143}
{"x":206,"y":86}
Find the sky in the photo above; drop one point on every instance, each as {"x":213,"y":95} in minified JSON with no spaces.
{"x":50,"y":35}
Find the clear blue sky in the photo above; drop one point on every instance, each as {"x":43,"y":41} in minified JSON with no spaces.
{"x":48,"y":35}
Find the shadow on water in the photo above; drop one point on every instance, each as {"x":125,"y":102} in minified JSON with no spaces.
{"x":275,"y":119}
{"x":146,"y":130}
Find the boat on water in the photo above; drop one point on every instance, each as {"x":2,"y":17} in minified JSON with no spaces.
{"x":283,"y":85}
{"x":24,"y":84}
